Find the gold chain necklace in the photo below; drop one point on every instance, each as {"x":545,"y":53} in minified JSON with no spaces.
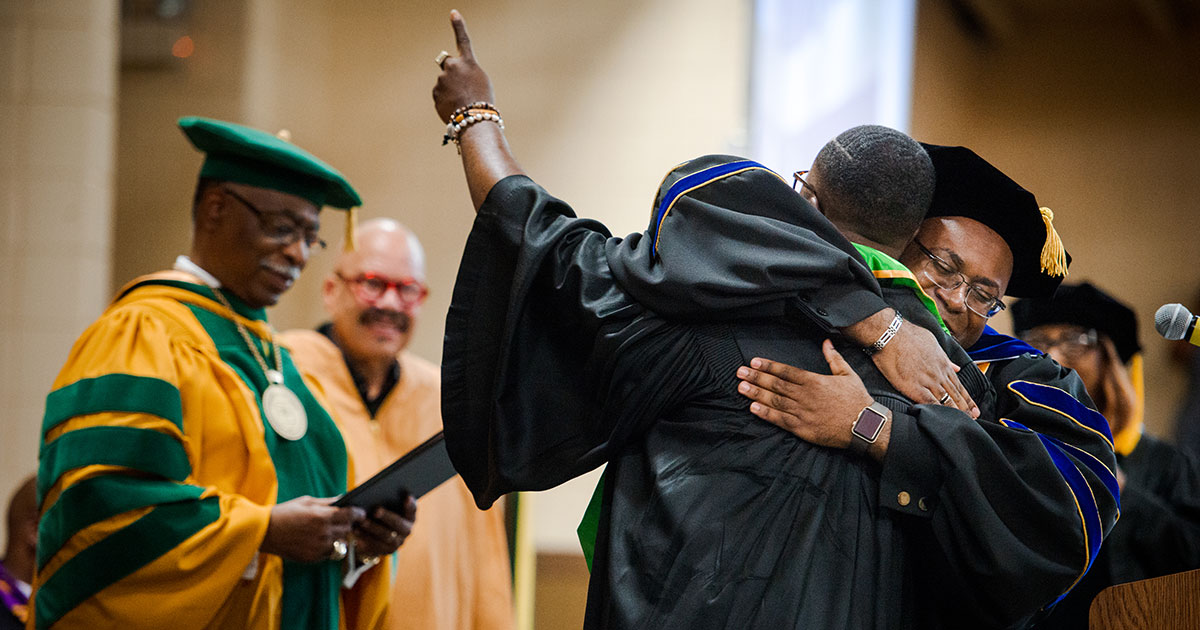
{"x":282,"y":408}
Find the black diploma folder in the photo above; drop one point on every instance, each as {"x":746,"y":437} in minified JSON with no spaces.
{"x":417,"y":472}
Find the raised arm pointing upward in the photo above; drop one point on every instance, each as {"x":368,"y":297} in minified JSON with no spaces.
{"x":485,"y":153}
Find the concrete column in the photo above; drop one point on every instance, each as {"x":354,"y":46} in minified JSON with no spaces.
{"x":58,"y":86}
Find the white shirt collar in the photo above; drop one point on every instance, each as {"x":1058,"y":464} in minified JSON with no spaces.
{"x":183,"y":263}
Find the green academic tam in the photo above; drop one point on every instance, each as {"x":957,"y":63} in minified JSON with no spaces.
{"x":237,"y":153}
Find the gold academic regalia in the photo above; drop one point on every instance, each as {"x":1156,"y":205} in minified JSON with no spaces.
{"x":157,"y":474}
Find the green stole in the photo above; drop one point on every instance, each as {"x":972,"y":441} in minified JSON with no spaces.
{"x":891,"y":272}
{"x":887,"y":270}
{"x":315,"y":465}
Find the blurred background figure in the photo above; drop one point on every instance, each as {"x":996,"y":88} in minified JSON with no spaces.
{"x":1086,"y":329}
{"x":16,"y":569}
{"x":453,"y":571}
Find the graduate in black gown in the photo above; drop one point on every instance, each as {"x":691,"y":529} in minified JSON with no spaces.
{"x":567,"y":348}
{"x":712,"y":518}
{"x":1096,"y":335}
{"x":552,"y":367}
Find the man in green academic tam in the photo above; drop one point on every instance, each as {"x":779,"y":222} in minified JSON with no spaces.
{"x":186,"y":468}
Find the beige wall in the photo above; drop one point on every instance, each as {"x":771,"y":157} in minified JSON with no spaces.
{"x":1099,"y":116}
{"x":58,"y":89}
{"x":564,"y":81}
{"x":157,"y":168}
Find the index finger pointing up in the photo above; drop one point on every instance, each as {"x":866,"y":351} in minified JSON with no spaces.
{"x":460,"y":35}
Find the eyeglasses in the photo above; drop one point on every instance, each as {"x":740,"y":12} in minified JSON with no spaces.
{"x":278,"y":228}
{"x":369,"y":287}
{"x":1073,"y":343}
{"x":948,"y":278}
{"x":798,"y":178}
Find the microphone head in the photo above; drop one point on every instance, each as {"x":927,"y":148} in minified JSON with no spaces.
{"x":1171,"y":321}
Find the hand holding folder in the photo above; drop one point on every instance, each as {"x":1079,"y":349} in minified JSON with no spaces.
{"x":417,"y":472}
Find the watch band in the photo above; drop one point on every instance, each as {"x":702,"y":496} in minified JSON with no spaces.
{"x":887,"y":335}
{"x":867,"y":426}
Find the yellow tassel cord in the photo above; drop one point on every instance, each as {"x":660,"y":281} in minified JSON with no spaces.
{"x":1125,"y":441}
{"x":1054,"y":255}
{"x":524,"y":563}
{"x":349,"y":244}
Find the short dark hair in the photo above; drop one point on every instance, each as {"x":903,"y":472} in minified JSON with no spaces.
{"x":875,"y":181}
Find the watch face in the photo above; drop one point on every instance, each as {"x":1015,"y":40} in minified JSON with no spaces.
{"x":868,"y":424}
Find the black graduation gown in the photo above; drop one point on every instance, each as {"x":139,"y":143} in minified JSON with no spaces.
{"x":1042,"y":540}
{"x":714,"y":518}
{"x":1158,"y":534}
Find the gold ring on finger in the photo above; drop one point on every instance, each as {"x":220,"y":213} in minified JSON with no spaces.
{"x":338,"y":551}
{"x":440,"y":60}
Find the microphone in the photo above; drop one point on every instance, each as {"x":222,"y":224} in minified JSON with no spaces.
{"x":1174,"y":322}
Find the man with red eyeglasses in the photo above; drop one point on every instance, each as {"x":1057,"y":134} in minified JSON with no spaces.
{"x":453,"y":571}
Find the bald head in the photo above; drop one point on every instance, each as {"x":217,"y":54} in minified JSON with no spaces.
{"x":381,"y":236}
{"x":375,"y":292}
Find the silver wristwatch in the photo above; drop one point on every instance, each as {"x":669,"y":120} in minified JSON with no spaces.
{"x":867,"y":427}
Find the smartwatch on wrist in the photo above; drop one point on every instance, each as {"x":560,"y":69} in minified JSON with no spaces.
{"x":866,"y":428}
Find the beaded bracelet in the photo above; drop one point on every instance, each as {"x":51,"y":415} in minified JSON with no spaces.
{"x":462,"y":119}
{"x":468,"y":115}
{"x":476,"y":105}
{"x":459,"y":119}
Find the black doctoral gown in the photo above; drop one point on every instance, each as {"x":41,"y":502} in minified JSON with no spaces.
{"x":1158,"y":534}
{"x":714,"y":519}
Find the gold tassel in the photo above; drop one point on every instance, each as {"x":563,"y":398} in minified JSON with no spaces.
{"x":1054,"y":255}
{"x":524,"y":563}
{"x":284,"y":135}
{"x":1127,"y":440}
{"x":349,"y":245}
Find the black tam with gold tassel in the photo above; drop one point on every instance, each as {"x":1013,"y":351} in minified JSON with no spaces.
{"x":968,"y":186}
